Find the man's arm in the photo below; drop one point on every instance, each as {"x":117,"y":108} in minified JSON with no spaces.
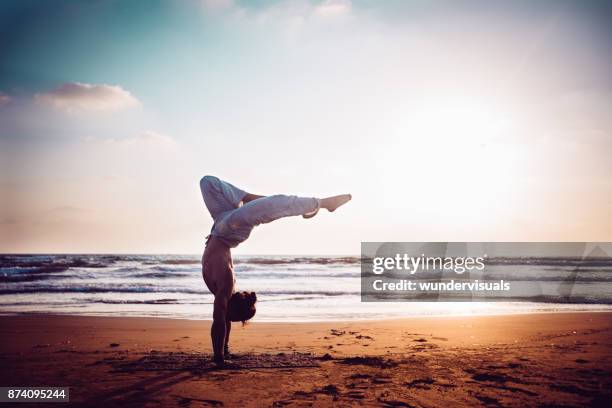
{"x":218,"y":328}
{"x":228,"y":329}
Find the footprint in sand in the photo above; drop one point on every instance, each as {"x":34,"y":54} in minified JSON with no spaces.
{"x":363,"y":337}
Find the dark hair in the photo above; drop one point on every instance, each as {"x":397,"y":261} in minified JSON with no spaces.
{"x":241,"y":306}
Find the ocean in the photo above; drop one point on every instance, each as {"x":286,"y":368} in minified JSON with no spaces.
{"x":289,"y":288}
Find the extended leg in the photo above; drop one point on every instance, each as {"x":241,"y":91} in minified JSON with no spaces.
{"x":237,"y":226}
{"x":268,"y":209}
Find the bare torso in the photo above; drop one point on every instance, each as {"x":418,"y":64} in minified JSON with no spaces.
{"x":217,"y":267}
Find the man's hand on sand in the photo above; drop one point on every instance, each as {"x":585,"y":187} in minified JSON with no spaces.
{"x":219,"y":361}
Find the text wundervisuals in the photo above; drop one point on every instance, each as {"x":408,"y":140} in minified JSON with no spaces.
{"x":412,"y":264}
{"x":406,"y":285}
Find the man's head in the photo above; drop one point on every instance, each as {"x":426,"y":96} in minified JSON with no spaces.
{"x":242,"y":306}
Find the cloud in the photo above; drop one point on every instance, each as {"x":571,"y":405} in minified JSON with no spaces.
{"x":145,"y":140}
{"x":67,"y":210}
{"x":282,"y":11}
{"x":333,"y":8}
{"x":9,"y":221}
{"x":215,"y":5}
{"x":76,"y":96}
{"x":4,"y":99}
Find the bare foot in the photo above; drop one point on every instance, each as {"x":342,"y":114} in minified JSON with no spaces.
{"x":332,"y":203}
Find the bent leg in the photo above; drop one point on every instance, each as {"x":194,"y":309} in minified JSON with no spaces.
{"x":220,"y":196}
{"x":268,"y":209}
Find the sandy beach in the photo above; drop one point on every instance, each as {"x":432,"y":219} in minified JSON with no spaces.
{"x":514,"y":360}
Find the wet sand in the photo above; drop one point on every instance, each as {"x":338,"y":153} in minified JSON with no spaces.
{"x":561,"y":359}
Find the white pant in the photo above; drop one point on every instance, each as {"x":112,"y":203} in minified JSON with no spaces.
{"x":234,"y":223}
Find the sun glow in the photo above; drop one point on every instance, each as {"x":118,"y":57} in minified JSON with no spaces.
{"x":457,"y":150}
{"x":459,"y":123}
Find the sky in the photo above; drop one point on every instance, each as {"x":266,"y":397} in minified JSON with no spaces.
{"x":446,"y":120}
